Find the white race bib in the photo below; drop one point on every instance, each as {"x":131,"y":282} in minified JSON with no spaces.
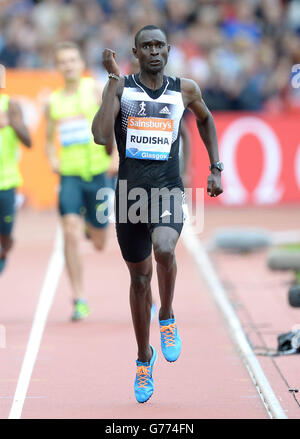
{"x":149,"y":138}
{"x":74,"y":130}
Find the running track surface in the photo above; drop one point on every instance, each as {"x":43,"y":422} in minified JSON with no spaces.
{"x":87,"y":369}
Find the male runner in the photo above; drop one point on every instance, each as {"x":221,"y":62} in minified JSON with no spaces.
{"x":145,"y":111}
{"x":81,"y":164}
{"x":184,"y":155}
{"x":12,"y":131}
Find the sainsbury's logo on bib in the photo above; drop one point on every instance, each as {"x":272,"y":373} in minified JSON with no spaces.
{"x":149,"y":138}
{"x":145,"y":123}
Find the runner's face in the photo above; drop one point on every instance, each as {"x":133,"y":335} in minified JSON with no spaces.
{"x":152,"y":51}
{"x":70,"y":64}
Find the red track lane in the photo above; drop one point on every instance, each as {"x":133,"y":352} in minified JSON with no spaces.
{"x":259,"y":296}
{"x":262,"y":306}
{"x":86,"y":369}
{"x":20,"y":287}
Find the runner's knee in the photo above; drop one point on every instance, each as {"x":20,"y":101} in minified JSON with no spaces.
{"x":71,"y":232}
{"x":140,"y":282}
{"x":164,"y":254}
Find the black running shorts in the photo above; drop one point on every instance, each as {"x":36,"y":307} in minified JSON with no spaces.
{"x":137,"y":218}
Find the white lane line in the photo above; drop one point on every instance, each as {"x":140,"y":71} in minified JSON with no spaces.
{"x":47,"y":294}
{"x":209,"y":274}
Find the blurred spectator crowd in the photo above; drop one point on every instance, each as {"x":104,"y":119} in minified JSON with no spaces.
{"x":240,"y":52}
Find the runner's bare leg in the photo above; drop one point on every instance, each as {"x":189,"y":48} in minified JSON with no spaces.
{"x":140,"y":303}
{"x":72,"y":230}
{"x":164,"y":241}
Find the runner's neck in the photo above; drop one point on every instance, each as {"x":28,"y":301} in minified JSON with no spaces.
{"x":71,"y":87}
{"x":153,"y":82}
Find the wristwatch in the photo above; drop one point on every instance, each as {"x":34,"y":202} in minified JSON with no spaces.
{"x":218,"y":165}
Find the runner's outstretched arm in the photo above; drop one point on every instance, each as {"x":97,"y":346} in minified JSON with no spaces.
{"x":207,"y":129}
{"x":104,"y":120}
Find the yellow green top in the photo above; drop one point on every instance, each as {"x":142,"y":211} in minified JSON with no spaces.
{"x":10,"y":176}
{"x":79,"y":154}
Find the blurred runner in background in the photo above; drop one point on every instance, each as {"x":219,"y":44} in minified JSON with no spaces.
{"x":12,"y":131}
{"x":81,"y":164}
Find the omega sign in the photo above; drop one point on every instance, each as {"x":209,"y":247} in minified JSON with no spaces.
{"x":269,"y":189}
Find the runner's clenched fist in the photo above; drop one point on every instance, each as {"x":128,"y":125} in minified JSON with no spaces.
{"x":109,"y":61}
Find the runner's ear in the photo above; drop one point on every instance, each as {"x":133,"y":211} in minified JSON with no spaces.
{"x":134,"y":51}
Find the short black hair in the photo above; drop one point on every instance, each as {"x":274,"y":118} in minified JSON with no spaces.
{"x":147,"y":27}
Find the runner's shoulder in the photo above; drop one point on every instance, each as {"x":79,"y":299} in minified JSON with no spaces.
{"x":189,"y":86}
{"x":189,"y":89}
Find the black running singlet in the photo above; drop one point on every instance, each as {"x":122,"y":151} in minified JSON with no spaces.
{"x":147,"y":131}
